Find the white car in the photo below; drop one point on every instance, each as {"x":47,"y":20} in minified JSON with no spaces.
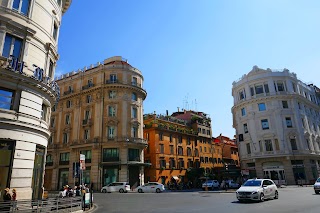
{"x":257,"y":189}
{"x":316,"y":186}
{"x":210,"y":184}
{"x":151,"y":187}
{"x":232,"y":184}
{"x":116,"y":187}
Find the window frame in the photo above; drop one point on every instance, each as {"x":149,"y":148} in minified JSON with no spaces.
{"x":12,"y":98}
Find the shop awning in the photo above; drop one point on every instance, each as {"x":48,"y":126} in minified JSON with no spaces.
{"x":175,"y":177}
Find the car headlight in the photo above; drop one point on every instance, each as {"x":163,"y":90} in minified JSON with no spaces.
{"x":254,"y":193}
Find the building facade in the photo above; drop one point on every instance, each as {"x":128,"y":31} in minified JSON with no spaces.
{"x":99,"y":115}
{"x":181,"y":148}
{"x":277,"y":121}
{"x":29,"y":32}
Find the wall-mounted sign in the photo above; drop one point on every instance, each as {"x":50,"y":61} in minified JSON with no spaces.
{"x":38,"y":74}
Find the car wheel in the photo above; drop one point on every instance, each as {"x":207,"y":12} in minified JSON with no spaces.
{"x":140,"y":190}
{"x":240,"y":201}
{"x":276,"y":195}
{"x":158,"y":190}
{"x":121,"y":190}
{"x":261,"y":197}
{"x":104,"y":191}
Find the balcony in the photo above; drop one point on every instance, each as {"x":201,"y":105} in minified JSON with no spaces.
{"x":49,"y":163}
{"x":63,"y":162}
{"x":110,"y":159}
{"x":115,"y":81}
{"x":135,"y":84}
{"x":87,"y":86}
{"x":134,"y":159}
{"x":87,"y":122}
{"x":68,"y":92}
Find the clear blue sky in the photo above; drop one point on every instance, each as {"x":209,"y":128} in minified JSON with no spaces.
{"x":190,"y":51}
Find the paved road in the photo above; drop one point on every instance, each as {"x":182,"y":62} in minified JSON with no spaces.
{"x":292,"y":200}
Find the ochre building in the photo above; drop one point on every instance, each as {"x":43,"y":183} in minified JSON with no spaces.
{"x":100,"y":115}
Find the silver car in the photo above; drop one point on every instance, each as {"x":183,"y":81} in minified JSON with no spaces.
{"x":257,"y":189}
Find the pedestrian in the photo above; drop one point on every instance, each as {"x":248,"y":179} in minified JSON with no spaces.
{"x":223,"y":184}
{"x":7,"y":200}
{"x":14,"y":199}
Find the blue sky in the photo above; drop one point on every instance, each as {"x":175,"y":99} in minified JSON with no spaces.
{"x":190,"y":51}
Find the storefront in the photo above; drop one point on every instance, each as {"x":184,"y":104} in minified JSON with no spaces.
{"x":38,"y":168}
{"x":274,"y":171}
{"x":6,"y":159}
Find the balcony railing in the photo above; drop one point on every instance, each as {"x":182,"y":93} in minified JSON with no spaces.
{"x":86,"y":122}
{"x":110,"y":159}
{"x":68,"y":92}
{"x":117,"y":81}
{"x":63,"y":162}
{"x":134,"y":159}
{"x":87,"y":86}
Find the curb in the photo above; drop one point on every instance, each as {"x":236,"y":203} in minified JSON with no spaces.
{"x":93,"y":208}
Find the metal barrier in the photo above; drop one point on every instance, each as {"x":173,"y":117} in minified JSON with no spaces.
{"x":69,"y":204}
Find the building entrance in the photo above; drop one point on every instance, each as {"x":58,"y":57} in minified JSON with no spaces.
{"x":275,"y":172}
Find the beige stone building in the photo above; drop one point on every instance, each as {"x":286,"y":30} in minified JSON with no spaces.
{"x":29,"y":32}
{"x":100,"y":115}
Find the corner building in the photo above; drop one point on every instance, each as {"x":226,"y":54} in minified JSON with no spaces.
{"x":277,"y":122}
{"x":100,"y":115}
{"x":29,"y":32}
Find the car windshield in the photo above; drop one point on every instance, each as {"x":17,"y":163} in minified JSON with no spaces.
{"x":252,"y":183}
{"x":318,"y":180}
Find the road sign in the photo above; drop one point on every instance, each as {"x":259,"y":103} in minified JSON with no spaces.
{"x":82,"y":162}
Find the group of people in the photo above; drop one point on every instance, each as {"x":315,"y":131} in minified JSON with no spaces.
{"x":68,"y":191}
{"x":7,"y":197}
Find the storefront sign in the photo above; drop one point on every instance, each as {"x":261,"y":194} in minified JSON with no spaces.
{"x":38,"y":74}
{"x":82,"y":162}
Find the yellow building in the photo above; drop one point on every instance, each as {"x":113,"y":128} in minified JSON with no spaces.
{"x":100,"y":115}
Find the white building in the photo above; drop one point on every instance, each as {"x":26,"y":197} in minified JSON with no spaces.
{"x":277,"y":121}
{"x":29,"y":32}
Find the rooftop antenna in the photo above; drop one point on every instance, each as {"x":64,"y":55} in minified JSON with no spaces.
{"x":186,"y":103}
{"x":196,"y":106}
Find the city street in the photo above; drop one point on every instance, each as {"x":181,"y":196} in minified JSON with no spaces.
{"x":291,"y":199}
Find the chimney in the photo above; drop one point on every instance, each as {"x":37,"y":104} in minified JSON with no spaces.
{"x":167,"y":112}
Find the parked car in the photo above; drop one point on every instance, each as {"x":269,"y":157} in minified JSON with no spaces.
{"x":233,"y":184}
{"x":210,"y":184}
{"x":151,"y":187}
{"x":316,"y":186}
{"x":116,"y":187}
{"x":257,"y":189}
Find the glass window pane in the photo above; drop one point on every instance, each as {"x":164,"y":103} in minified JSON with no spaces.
{"x":17,"y":47}
{"x":25,"y":7}
{"x":7,"y":46}
{"x":16,"y":4}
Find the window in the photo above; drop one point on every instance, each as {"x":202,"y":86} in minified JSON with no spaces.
{"x":189,"y":153}
{"x":180,"y":150}
{"x":161,"y":136}
{"x":293,"y":144}
{"x":59,"y":2}
{"x":188,"y":141}
{"x":54,"y":108}
{"x":172,"y":163}
{"x":299,"y":105}
{"x":259,"y":89}
{"x":111,"y":132}
{"x":196,"y":153}
{"x":90,"y":83}
{"x":52,"y":122}
{"x":170,"y":138}
{"x":87,"y":115}
{"x":266,"y":88}
{"x":12,"y":46}
{"x":288,"y":122}
{"x":268,"y":145}
{"x":89,"y":99}
{"x":252,"y":91}
{"x":161,"y":148}
{"x":162,"y":163}
{"x":243,"y":111}
{"x":134,"y":81}
{"x":265,"y":124}
{"x":69,"y":103}
{"x":6,"y":98}
{"x":179,"y":139}
{"x":171,"y":149}
{"x":134,"y":112}
{"x":262,"y":107}
{"x":55,"y":31}
{"x":113,"y":78}
{"x":242,"y":94}
{"x":294,"y":87}
{"x":112,"y":94}
{"x":67,"y":119}
{"x":86,"y":135}
{"x":22,"y":6}
{"x":110,"y":154}
{"x":44,"y":111}
{"x":87,"y":154}
{"x":134,"y":97}
{"x":65,"y":138}
{"x":49,"y":160}
{"x":134,"y":155}
{"x":134,"y":131}
{"x":245,"y":128}
{"x":50,"y":71}
{"x":279,"y":86}
{"x":64,"y":157}
{"x":111,"y":111}
{"x":285,"y":105}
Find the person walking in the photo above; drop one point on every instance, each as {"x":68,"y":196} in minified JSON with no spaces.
{"x":14,"y":199}
{"x":7,"y":200}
